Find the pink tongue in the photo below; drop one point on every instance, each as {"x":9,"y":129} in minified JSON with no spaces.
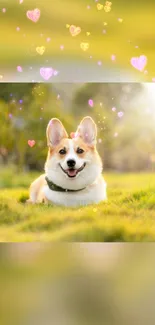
{"x":71,"y":172}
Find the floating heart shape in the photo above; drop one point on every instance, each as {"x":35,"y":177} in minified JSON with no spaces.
{"x":139,"y":63}
{"x":31,"y":143}
{"x":46,"y":73}
{"x":74,"y":30}
{"x":40,"y":50}
{"x":99,"y":6}
{"x":33,"y":15}
{"x":74,"y":135}
{"x":84,"y":46}
{"x":107,"y":8}
{"x":19,"y":68}
{"x":90,"y":102}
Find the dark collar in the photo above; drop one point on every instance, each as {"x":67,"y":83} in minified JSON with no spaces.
{"x":57,"y":188}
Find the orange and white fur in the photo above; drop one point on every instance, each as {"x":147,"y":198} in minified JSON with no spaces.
{"x":72,"y":164}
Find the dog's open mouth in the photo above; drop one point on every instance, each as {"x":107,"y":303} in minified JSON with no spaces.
{"x":72,"y":172}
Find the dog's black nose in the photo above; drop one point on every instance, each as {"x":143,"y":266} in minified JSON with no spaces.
{"x":71,"y":163}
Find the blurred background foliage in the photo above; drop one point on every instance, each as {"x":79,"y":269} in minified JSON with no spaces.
{"x":126,"y":31}
{"x":123,"y":112}
{"x":75,"y":284}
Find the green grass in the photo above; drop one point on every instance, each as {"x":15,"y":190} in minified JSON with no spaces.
{"x":128,"y":215}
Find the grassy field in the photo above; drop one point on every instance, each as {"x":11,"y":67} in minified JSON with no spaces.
{"x":128,"y":215}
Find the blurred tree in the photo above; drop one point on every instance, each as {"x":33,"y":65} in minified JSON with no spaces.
{"x":17,"y":90}
{"x":123,"y":144}
{"x":125,"y":124}
{"x":24,"y":116}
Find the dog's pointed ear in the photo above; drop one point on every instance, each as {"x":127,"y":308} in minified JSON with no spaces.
{"x":87,"y":130}
{"x":55,"y":132}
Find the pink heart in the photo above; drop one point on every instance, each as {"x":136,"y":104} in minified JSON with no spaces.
{"x":31,"y":143}
{"x":33,"y":15}
{"x":46,"y":73}
{"x":90,"y":102}
{"x":74,"y":30}
{"x":74,"y":135}
{"x":139,"y":62}
{"x":19,"y":68}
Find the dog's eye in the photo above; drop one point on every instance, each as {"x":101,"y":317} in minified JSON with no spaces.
{"x":62,"y":151}
{"x":79,"y":150}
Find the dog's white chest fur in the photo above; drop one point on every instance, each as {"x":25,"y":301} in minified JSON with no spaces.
{"x":92,"y":194}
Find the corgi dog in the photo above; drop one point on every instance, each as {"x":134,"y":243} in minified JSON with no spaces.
{"x":73,"y":169}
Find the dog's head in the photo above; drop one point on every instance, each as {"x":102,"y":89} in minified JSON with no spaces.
{"x":72,"y":163}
